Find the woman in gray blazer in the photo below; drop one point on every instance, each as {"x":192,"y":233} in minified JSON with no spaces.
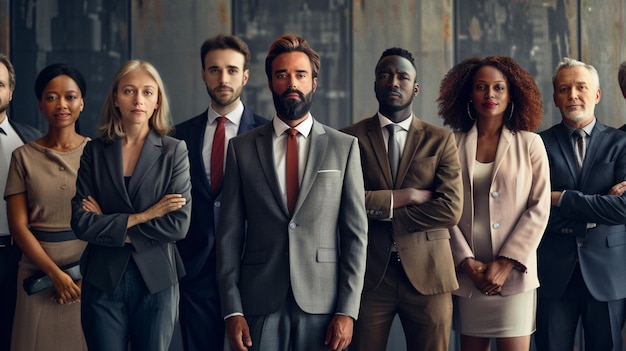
{"x":132,"y":203}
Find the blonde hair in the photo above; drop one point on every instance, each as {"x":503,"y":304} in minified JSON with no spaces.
{"x":111,"y":127}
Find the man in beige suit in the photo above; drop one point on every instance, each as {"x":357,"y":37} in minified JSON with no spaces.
{"x":409,"y":271}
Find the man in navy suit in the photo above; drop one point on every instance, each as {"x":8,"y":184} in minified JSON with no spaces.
{"x":581,"y":256}
{"x":12,"y":135}
{"x":225,"y":72}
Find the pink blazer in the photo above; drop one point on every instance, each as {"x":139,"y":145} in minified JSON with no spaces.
{"x":519,"y":206}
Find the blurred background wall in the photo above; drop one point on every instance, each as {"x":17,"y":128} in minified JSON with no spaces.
{"x":98,"y":35}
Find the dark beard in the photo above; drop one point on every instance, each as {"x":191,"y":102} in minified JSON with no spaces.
{"x":292,"y":109}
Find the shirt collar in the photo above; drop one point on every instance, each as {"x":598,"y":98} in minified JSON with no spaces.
{"x":588,"y":128}
{"x":233,"y":116}
{"x":303,"y":128}
{"x":5,"y":125}
{"x":405,"y":124}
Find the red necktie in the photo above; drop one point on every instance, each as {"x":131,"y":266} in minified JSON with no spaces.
{"x":291,"y":174}
{"x":217,"y":156}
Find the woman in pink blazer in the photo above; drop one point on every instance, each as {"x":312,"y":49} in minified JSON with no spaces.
{"x":494,"y":106}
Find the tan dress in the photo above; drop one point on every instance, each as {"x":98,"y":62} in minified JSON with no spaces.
{"x":491,"y":316}
{"x":49,"y":179}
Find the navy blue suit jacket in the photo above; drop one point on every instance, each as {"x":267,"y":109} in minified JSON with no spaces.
{"x":601,"y":250}
{"x":199,"y":244}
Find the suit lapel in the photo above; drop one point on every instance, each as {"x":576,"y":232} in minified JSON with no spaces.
{"x":265,"y":153}
{"x":317,"y":151}
{"x":247,"y":122}
{"x":196,"y":141}
{"x":596,"y":143}
{"x":564,"y":140}
{"x":150,"y":153}
{"x":413,"y":139}
{"x":112,"y":155}
{"x":375,"y":136}
{"x":501,"y":151}
{"x":470,"y":142}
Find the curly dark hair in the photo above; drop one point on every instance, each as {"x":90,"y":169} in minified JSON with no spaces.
{"x":456,"y":90}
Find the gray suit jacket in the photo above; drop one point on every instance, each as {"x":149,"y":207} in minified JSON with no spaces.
{"x":601,"y":250}
{"x":319,"y":252}
{"x":162,"y":168}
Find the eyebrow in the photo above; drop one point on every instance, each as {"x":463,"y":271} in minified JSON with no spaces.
{"x":227,"y":66}
{"x":285,"y":70}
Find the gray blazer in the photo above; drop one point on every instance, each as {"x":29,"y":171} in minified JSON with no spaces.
{"x":319,"y":252}
{"x":162,"y":168}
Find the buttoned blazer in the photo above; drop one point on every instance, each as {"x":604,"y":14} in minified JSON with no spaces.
{"x":429,"y":162}
{"x":199,"y":244}
{"x":319,"y":252}
{"x":519,"y":206}
{"x":162,"y":168}
{"x":599,"y":250}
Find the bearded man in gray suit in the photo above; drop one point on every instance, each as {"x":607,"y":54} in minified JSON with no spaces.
{"x":291,"y":265}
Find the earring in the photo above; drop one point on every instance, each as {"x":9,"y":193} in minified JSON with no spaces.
{"x":469,"y":113}
{"x":511,"y":114}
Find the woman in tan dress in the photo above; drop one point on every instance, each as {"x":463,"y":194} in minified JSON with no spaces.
{"x":40,"y":186}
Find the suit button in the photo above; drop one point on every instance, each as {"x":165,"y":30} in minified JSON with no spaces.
{"x":292,"y":225}
{"x":217,"y":204}
{"x":579,"y":244}
{"x":496,"y":225}
{"x":495,"y":194}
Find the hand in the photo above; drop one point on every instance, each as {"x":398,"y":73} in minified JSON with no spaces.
{"x":66,"y":290}
{"x":495,"y":275}
{"x":410,"y":196}
{"x":339,"y":332}
{"x":91,"y":205}
{"x":618,"y":189}
{"x":167,"y":204}
{"x":238,"y":333}
{"x":475,"y":269}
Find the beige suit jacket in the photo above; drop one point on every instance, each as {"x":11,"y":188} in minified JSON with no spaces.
{"x":519,"y":206}
{"x":429,"y":162}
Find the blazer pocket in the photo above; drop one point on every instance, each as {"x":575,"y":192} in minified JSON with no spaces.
{"x":326,"y":255}
{"x":438,"y":234}
{"x":255,"y":257}
{"x":616,"y":239}
{"x":328,"y":173}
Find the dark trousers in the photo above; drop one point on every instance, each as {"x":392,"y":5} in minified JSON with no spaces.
{"x":129,"y":314}
{"x":557,"y":319}
{"x":9,"y":258}
{"x":201,"y":321}
{"x":426,"y":319}
{"x":289,"y":328}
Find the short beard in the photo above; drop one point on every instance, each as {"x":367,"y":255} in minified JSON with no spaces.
{"x":223,"y":103}
{"x":292,"y":109}
{"x":3,"y":107}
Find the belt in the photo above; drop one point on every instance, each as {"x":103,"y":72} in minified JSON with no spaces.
{"x":6,"y":241}
{"x":53,"y":237}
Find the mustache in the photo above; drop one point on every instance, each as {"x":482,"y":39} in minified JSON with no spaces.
{"x":223,"y":87}
{"x":392,"y":90}
{"x":291,"y":91}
